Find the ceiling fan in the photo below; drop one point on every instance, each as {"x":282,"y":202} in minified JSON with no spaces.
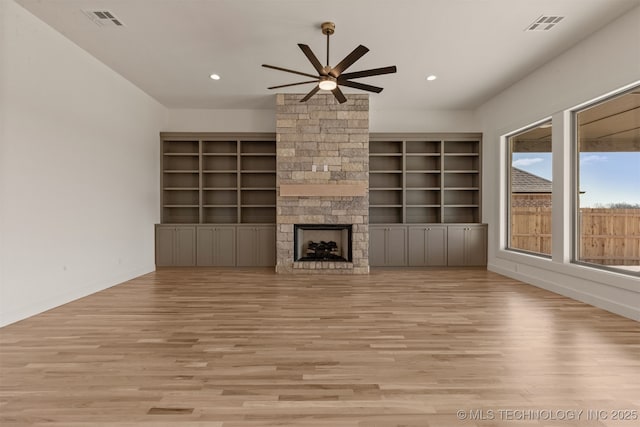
{"x":331,"y":78}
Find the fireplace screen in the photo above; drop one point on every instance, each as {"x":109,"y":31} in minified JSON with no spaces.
{"x":322,"y":242}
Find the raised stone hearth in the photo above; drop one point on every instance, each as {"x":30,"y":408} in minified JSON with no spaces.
{"x":322,"y":132}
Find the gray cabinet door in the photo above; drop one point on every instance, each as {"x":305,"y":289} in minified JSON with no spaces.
{"x":456,"y":246}
{"x":427,"y":246}
{"x":265,"y":246}
{"x":185,"y":247}
{"x":476,"y":245}
{"x":396,"y":246}
{"x":387,"y":246}
{"x":165,"y":242}
{"x":216,"y":246}
{"x":467,"y":245}
{"x":377,"y":246}
{"x":175,"y":246}
{"x":245,"y":246}
{"x":256,"y":246}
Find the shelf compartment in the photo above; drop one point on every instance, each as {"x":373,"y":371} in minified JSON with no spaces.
{"x":264,"y":163}
{"x":385,"y":197}
{"x":385,"y":180}
{"x":423,"y":197}
{"x":181,"y":180}
{"x":220,"y":197}
{"x":385,"y":215}
{"x":461,"y":197}
{"x":258,"y":215}
{"x":423,"y":147}
{"x":461,"y":214}
{"x":180,"y":215}
{"x":423,"y":180}
{"x":385,"y":163}
{"x":421,"y":163}
{"x":465,"y":147}
{"x":220,"y":163}
{"x":183,"y":197}
{"x":180,"y":147}
{"x":387,"y":147}
{"x":189,"y":162}
{"x":421,"y":215}
{"x":220,"y":180}
{"x":258,"y":180}
{"x":219,"y":147}
{"x":461,"y":163}
{"x":220,"y":215}
{"x":258,"y":147}
{"x":258,"y":197}
{"x":461,"y":180}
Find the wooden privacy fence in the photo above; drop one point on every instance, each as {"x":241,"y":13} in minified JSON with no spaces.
{"x":608,"y":236}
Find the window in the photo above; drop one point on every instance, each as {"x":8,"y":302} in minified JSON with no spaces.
{"x":608,"y":183}
{"x":530,"y":190}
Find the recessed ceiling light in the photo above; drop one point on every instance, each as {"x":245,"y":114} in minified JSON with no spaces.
{"x":215,"y":77}
{"x":431,"y":77}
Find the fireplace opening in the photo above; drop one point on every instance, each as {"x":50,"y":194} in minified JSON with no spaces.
{"x":322,"y":242}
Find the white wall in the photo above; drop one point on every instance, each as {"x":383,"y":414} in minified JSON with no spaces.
{"x":79,"y":167}
{"x":202,"y":120}
{"x":607,"y":60}
{"x":423,"y":121}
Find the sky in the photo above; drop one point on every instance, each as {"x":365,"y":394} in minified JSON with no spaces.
{"x":611,"y":177}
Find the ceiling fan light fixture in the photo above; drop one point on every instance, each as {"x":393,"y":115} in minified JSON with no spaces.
{"x":328,"y":83}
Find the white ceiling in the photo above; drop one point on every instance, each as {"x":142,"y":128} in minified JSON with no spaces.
{"x":477,"y":48}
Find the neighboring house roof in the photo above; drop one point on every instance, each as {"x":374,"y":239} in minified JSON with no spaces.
{"x":525,"y":182}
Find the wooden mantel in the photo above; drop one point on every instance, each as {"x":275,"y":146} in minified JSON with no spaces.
{"x":323,"y":190}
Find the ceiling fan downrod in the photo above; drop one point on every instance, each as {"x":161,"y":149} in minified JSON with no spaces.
{"x":328,"y":28}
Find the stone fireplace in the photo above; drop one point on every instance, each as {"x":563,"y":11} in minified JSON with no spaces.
{"x":322,"y":162}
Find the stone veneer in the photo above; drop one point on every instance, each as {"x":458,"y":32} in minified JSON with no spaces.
{"x":322,"y":132}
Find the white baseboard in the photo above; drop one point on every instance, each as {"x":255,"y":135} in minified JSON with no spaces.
{"x":37,"y":307}
{"x":615,"y":307}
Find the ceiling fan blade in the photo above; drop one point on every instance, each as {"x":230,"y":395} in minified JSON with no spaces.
{"x":361,"y":86}
{"x":348,"y":60}
{"x":289,"y":71}
{"x":312,"y":58}
{"x":293,"y":84}
{"x":339,"y":95}
{"x":310,"y":94}
{"x":368,"y":73}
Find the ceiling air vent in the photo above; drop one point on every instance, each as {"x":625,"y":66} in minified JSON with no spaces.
{"x":103,"y":18}
{"x":544,"y":23}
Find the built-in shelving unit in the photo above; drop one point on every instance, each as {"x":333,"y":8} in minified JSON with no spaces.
{"x":218,"y":204}
{"x":181,"y":181}
{"x":424,"y":179}
{"x":218,"y":179}
{"x":257,"y":164}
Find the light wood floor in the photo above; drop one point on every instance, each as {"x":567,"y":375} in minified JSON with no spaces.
{"x":224,"y":348}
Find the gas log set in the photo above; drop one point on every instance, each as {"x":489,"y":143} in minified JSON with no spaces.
{"x":327,"y":251}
